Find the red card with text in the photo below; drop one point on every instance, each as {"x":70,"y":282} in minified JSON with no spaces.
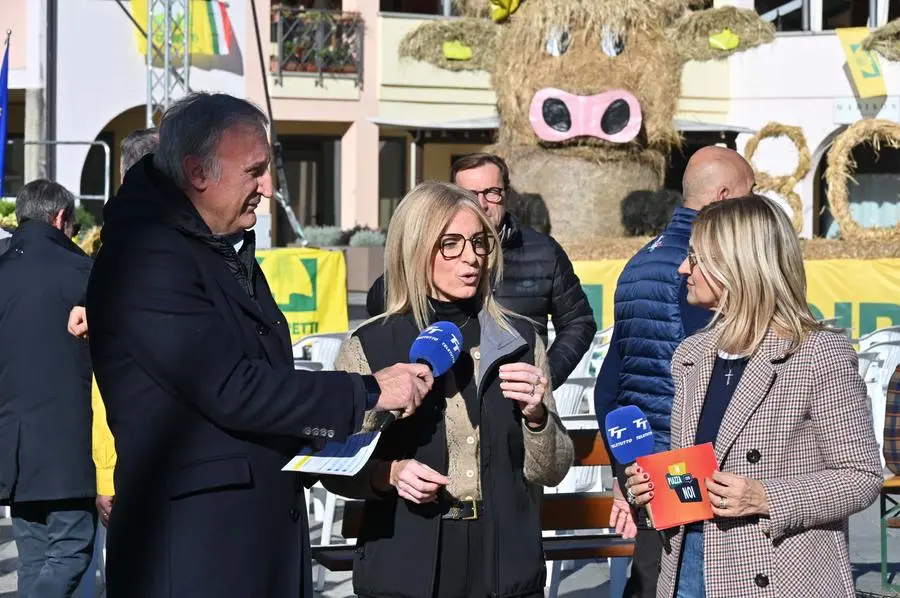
{"x":678,"y":478}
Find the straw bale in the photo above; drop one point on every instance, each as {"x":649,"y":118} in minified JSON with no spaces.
{"x":858,"y":249}
{"x":593,"y":15}
{"x":840,"y":169}
{"x":478,"y":9}
{"x":603,"y":248}
{"x":582,"y":196}
{"x":885,"y":41}
{"x":691,"y":32}
{"x":622,"y":248}
{"x":426,"y":42}
{"x":649,"y":67}
{"x":783,"y":185}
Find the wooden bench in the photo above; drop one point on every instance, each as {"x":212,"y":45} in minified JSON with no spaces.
{"x":582,"y":511}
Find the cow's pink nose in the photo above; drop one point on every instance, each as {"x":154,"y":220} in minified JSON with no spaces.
{"x":558,"y":115}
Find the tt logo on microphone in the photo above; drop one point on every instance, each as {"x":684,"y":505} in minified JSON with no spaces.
{"x":456,"y":347}
{"x":641,"y":423}
{"x":616,"y":432}
{"x":431,"y":330}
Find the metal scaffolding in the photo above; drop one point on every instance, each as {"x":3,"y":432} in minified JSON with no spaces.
{"x":168,"y":55}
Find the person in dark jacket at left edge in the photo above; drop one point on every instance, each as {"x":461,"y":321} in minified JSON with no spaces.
{"x":46,"y":469}
{"x":193,"y":359}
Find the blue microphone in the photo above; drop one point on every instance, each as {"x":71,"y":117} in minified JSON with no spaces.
{"x":628,"y":433}
{"x":438,"y":347}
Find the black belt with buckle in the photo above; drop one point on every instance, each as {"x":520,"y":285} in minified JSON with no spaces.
{"x":466,"y":510}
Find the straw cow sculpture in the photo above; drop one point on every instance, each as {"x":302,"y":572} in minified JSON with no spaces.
{"x":587,"y":92}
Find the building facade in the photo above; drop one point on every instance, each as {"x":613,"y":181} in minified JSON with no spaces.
{"x":359,"y":126}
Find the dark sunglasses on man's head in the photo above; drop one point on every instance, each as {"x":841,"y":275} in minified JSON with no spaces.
{"x":452,"y":245}
{"x":491,"y":194}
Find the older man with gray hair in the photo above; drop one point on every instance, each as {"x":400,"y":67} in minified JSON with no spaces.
{"x":135,"y":146}
{"x":194,"y":362}
{"x":46,"y":471}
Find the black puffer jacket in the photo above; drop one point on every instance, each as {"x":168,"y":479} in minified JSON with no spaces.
{"x":538,"y":281}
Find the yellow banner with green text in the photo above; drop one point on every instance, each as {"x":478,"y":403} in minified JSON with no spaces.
{"x":862,"y":64}
{"x":310,"y":287}
{"x":860,"y":294}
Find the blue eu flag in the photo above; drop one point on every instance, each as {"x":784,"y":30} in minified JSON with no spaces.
{"x":4,"y":118}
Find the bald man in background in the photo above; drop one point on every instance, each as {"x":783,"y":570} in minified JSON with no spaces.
{"x":652,"y":317}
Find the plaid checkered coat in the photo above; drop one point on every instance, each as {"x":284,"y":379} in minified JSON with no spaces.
{"x":802,"y":424}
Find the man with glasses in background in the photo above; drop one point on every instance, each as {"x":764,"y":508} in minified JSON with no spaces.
{"x":538,"y":278}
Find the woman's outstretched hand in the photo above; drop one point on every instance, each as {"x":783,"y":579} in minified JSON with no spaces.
{"x":525,"y":384}
{"x":416,"y":482}
{"x":620,"y":516}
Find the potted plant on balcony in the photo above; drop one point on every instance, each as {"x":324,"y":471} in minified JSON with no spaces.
{"x":363,"y":250}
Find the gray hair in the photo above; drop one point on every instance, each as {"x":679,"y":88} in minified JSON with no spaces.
{"x":136,"y":145}
{"x":194,"y":125}
{"x":42,"y":200}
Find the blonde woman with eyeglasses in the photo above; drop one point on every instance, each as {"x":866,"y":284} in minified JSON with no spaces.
{"x":782,"y":401}
{"x":453,"y":491}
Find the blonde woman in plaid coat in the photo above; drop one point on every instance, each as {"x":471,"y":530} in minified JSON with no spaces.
{"x":792,"y":432}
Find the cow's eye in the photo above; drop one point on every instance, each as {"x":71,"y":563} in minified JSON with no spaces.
{"x":557,"y":40}
{"x":612,"y":43}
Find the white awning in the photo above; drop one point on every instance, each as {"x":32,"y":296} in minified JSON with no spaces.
{"x":471,"y":124}
{"x":493,"y":122}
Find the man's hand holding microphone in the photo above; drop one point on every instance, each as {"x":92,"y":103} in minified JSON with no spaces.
{"x":403,"y":387}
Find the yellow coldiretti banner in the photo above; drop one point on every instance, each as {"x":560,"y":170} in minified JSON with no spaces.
{"x":861,"y":294}
{"x":310,"y":287}
{"x":863,"y":65}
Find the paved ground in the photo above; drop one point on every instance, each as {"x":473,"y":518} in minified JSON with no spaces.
{"x":587,"y":580}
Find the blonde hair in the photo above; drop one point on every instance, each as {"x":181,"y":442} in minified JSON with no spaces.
{"x":412,"y":242}
{"x":748,"y":247}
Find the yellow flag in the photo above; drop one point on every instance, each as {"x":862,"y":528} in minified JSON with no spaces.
{"x":863,"y":65}
{"x":310,"y":287}
{"x":211,"y":30}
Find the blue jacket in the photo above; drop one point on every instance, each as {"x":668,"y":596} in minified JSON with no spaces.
{"x":652,"y":317}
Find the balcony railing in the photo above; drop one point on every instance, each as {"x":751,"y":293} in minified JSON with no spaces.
{"x":317,"y":42}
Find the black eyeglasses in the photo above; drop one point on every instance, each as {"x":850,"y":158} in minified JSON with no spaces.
{"x":452,"y":245}
{"x":491,"y":194}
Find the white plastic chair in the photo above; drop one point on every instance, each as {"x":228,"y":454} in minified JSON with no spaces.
{"x":590,"y":362}
{"x":882,"y":335}
{"x":588,"y":395}
{"x":569,"y":399}
{"x":877,"y":377}
{"x":319,"y":348}
{"x":331,"y":500}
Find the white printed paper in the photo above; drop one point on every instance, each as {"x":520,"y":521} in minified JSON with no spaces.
{"x":336,"y":458}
